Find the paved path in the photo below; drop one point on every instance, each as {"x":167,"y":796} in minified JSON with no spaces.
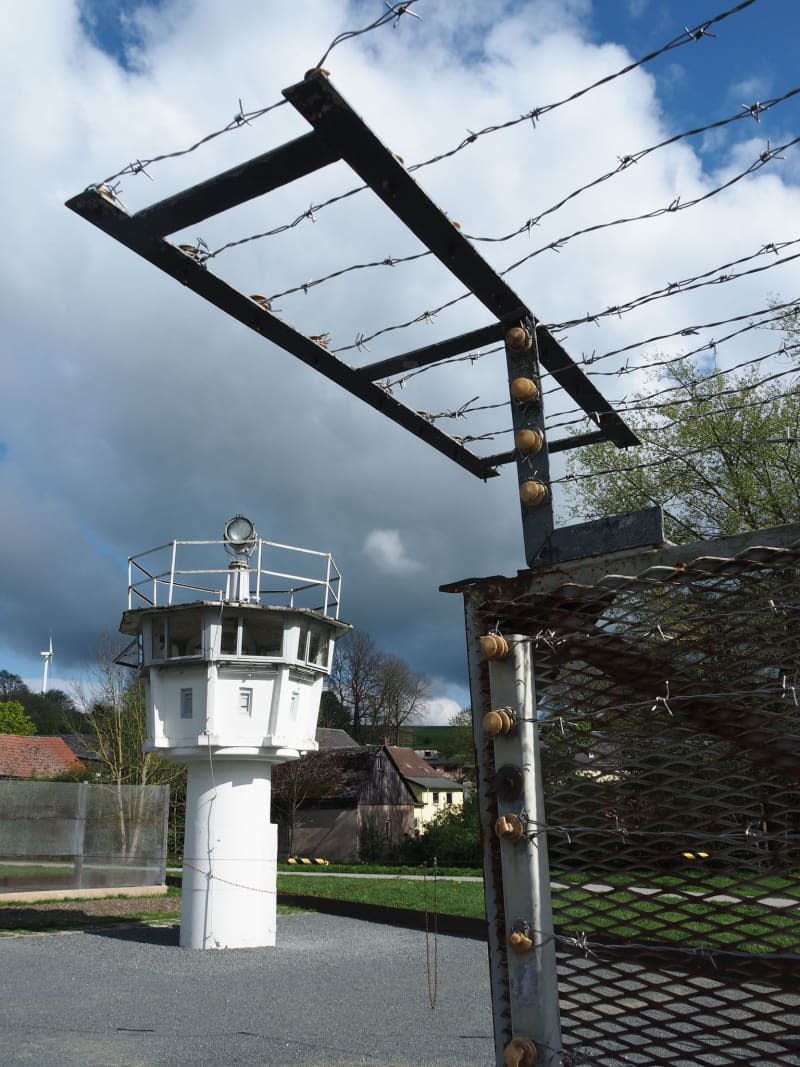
{"x":334,"y":992}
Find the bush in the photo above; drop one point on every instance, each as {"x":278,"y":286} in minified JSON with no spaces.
{"x":14,"y":720}
{"x":452,"y":839}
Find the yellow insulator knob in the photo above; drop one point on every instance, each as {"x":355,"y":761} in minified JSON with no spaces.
{"x":520,"y":941}
{"x":518,"y":339}
{"x":494,"y":646}
{"x":509,"y":827}
{"x":492,"y":724}
{"x":529,"y":442}
{"x":496,"y":722}
{"x":524,"y":389}
{"x":520,"y":1052}
{"x":532,"y":493}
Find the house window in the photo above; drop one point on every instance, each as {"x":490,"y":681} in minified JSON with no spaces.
{"x":186,"y":703}
{"x":435,"y":798}
{"x":449,"y":798}
{"x":246,"y":702}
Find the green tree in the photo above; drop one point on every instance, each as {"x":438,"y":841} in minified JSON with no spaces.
{"x":453,"y":838}
{"x":11,"y":685}
{"x":13,"y":719}
{"x":54,"y":712}
{"x":332,"y":713}
{"x":719,"y":453}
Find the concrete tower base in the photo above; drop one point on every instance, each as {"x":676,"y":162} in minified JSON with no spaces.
{"x":230,"y":856}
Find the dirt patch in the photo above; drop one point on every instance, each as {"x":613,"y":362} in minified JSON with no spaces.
{"x":71,"y":913}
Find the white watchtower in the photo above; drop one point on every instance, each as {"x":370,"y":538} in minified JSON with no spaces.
{"x":233,"y":661}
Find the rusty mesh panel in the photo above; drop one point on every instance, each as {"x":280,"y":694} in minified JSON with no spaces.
{"x":670,"y":731}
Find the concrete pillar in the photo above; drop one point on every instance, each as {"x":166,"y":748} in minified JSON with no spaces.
{"x":230,"y":856}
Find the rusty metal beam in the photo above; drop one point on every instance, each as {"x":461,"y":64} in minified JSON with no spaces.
{"x":244,"y":182}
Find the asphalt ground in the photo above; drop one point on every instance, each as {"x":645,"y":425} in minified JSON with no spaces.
{"x":334,"y":991}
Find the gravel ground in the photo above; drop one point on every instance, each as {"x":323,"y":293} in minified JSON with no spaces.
{"x":335,"y":991}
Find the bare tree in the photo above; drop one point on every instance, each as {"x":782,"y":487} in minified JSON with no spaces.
{"x":401,"y":696}
{"x":382,"y":691}
{"x":354,"y":678}
{"x":113,"y":707}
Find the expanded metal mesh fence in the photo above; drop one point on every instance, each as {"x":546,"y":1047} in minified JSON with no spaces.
{"x":67,"y":835}
{"x":669,"y":724}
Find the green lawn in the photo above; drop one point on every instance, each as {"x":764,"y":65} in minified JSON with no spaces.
{"x":451,"y":898}
{"x":670,"y":917}
{"x":366,"y":868}
{"x":676,"y":914}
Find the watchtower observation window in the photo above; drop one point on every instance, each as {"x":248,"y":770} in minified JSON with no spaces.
{"x":254,"y":634}
{"x":178,"y":635}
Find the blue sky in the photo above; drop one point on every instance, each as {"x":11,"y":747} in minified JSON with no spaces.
{"x":119,"y":431}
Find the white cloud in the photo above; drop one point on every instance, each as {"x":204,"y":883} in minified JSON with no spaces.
{"x":438,"y":711}
{"x":133,"y":412}
{"x":385,"y":549}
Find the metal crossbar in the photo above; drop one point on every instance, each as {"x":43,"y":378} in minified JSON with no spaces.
{"x":340,"y":134}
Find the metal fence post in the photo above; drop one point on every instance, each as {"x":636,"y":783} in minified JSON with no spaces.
{"x":79,"y":836}
{"x":490,"y":845}
{"x":162,"y":876}
{"x":532,"y":977}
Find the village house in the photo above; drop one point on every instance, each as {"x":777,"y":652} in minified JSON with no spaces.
{"x":433,"y":791}
{"x":348,"y":802}
{"x":343,"y":804}
{"x":36,"y":757}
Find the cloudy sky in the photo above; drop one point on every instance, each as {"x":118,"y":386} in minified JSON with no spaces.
{"x":133,"y":412}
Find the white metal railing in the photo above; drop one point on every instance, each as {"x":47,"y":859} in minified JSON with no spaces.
{"x":164,"y":575}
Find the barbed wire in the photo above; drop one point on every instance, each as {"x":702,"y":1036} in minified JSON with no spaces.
{"x":699,"y":32}
{"x":583,"y":418}
{"x":653,"y":401}
{"x":393,"y":14}
{"x":775,"y":312}
{"x":241,"y":118}
{"x":673,"y":208}
{"x":671,"y":457}
{"x":720,"y":275}
{"x":753,"y":111}
{"x":393,"y":261}
{"x":245,"y":118}
{"x":688,"y":35}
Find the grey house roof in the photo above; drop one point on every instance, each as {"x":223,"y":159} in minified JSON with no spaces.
{"x":439,"y":784}
{"x":328,"y":737}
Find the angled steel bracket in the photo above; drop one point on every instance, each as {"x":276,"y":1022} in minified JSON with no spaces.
{"x":339,"y":134}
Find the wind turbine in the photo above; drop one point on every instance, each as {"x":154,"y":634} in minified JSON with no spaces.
{"x":48,"y":655}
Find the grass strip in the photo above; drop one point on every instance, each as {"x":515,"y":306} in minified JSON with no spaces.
{"x":695,"y":923}
{"x":448,"y":898}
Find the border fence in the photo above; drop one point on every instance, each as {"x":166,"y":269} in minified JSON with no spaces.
{"x":664,"y":704}
{"x":69,"y":835}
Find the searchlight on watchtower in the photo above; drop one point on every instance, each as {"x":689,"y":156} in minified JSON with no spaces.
{"x":233,"y":661}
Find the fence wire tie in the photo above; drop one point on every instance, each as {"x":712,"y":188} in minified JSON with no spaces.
{"x":751,"y":834}
{"x":789,"y":689}
{"x":663,"y":701}
{"x":580,"y":942}
{"x":705,"y":955}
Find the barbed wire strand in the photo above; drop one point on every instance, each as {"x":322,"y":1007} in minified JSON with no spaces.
{"x":245,"y":118}
{"x":673,"y":208}
{"x":686,"y":37}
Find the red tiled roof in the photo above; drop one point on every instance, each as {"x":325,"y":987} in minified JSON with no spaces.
{"x":411,"y":764}
{"x":35,"y":757}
